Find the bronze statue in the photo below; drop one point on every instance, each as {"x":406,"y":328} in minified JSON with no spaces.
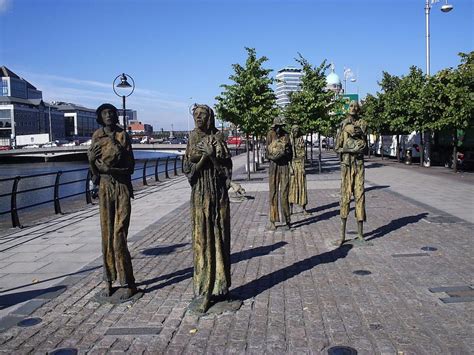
{"x":279,"y":154}
{"x":208,"y":166}
{"x":298,"y":190}
{"x":350,"y":144}
{"x":112,"y":164}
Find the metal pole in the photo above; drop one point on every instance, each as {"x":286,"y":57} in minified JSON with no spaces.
{"x":57,"y":205}
{"x":13,"y":208}
{"x":144,"y":173}
{"x":124,"y":119}
{"x":50,"y":130}
{"x":425,"y":137}
{"x":88,"y":189}
{"x":427,"y":17}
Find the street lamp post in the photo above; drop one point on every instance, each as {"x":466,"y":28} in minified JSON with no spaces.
{"x":444,"y":8}
{"x":124,"y":84}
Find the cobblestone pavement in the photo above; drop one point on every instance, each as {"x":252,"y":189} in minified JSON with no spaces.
{"x":300,"y":293}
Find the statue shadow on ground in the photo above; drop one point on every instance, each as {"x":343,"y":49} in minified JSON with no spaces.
{"x":266,"y":282}
{"x":329,"y":214}
{"x":322,"y":217}
{"x":82,"y":271}
{"x":373,"y":165}
{"x":186,"y":273}
{"x":12,"y":299}
{"x":163,"y":250}
{"x":394,"y":225}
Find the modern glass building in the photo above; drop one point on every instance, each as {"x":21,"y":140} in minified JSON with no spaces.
{"x":288,"y":80}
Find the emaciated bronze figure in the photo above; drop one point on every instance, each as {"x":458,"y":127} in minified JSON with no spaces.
{"x":112,"y":164}
{"x":279,"y":154}
{"x":208,"y":166}
{"x":350,"y":144}
{"x":298,"y":190}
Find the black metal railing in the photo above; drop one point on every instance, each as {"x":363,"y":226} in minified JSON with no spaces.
{"x":158,"y":165}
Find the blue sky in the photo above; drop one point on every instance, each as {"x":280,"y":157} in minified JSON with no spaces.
{"x":181,"y":51}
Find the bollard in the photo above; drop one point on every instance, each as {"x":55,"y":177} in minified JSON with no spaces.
{"x":13,"y":209}
{"x":166,"y":168}
{"x":57,"y":205}
{"x":175,"y":171}
{"x":408,"y":157}
{"x":144,"y":173}
{"x":157,"y":164}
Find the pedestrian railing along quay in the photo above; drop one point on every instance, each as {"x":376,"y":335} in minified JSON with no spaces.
{"x":79,"y":183}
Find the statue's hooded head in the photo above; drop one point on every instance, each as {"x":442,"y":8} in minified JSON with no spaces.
{"x":204,"y":118}
{"x":102,"y":108}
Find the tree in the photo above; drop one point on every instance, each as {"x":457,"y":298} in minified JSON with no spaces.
{"x":449,"y":96}
{"x":372,"y":112}
{"x":311,"y":106}
{"x":249,"y":102}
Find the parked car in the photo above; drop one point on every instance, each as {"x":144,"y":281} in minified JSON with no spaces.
{"x":69,"y":144}
{"x":235,"y":140}
{"x":5,"y":147}
{"x":49,"y":145}
{"x":88,"y":142}
{"x":31,"y":146}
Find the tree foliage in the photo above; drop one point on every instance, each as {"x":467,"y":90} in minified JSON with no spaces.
{"x":414,"y":102}
{"x":249,"y":102}
{"x":311,"y":106}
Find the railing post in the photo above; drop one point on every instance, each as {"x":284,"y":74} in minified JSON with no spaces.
{"x":144,"y":172}
{"x":57,"y":205}
{"x":13,"y":207}
{"x":166,"y":168}
{"x":88,"y":188}
{"x":182,"y":164}
{"x":175,"y":170}
{"x":157,"y":164}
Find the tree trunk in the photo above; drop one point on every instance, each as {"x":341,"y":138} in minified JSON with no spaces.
{"x":381,"y":146}
{"x":248,"y":156}
{"x":422,"y":149}
{"x":319,"y":154}
{"x":455,"y":151}
{"x":254,"y":165}
{"x":428,"y":148}
{"x":311,"y":158}
{"x":398,"y":148}
{"x":368,"y":144}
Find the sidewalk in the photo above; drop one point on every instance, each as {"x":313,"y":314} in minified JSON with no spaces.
{"x":300,"y":294}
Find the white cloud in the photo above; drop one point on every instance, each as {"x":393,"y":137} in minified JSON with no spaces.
{"x":4,"y":5}
{"x":153,"y":107}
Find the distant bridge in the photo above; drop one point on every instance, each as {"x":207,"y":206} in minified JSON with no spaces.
{"x":57,"y":153}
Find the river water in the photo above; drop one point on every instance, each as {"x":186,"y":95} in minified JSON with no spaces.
{"x":74,"y":186}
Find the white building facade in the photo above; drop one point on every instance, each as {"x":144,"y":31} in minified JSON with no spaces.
{"x":288,"y":80}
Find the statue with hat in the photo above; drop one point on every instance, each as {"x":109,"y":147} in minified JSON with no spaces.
{"x":279,"y":153}
{"x":298,"y":191}
{"x":350,"y":144}
{"x":112,"y":164}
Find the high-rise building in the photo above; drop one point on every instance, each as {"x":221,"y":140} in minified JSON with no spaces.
{"x":288,"y":80}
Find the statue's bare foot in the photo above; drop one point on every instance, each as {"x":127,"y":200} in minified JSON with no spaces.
{"x":200,"y":304}
{"x":220,"y":298}
{"x":271,"y":226}
{"x":341,"y":242}
{"x":305,"y":212}
{"x":107,"y":291}
{"x":287,"y":226}
{"x":130,"y":292}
